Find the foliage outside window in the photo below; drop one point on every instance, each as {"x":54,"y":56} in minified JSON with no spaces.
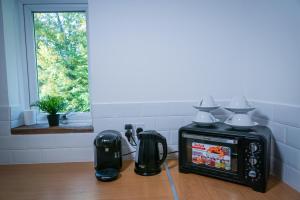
{"x":61,"y":57}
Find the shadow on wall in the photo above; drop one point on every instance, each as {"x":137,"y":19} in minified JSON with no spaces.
{"x":276,"y":163}
{"x":259,"y":117}
{"x":256,"y":116}
{"x":126,"y":148}
{"x":276,"y":160}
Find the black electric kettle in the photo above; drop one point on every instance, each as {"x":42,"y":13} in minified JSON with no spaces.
{"x":147,"y":157}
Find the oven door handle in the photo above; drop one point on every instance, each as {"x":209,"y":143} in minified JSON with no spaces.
{"x":211,"y":139}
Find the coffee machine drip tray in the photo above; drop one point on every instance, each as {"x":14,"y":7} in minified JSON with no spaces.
{"x":108,"y":174}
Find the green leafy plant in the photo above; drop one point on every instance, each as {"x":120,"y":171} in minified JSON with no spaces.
{"x":51,"y":104}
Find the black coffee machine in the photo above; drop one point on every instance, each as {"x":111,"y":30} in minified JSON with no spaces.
{"x":147,"y":157}
{"x":108,"y":155}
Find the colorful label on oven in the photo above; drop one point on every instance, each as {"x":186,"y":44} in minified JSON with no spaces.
{"x":211,"y":155}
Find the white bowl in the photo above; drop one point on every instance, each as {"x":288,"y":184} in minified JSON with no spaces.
{"x":207,"y":101}
{"x":206,"y":109}
{"x":242,"y":127}
{"x":204,"y":117}
{"x":239,"y":102}
{"x":239,"y":120}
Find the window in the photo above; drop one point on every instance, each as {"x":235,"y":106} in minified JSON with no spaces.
{"x":57,"y":59}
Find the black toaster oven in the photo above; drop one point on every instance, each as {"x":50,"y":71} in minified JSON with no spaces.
{"x":219,"y":151}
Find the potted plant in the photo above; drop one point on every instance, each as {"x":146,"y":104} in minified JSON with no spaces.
{"x":52,"y":105}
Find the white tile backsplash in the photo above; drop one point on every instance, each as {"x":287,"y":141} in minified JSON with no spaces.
{"x":104,"y":111}
{"x":263,"y":110}
{"x":76,"y":140}
{"x":68,"y":155}
{"x":4,"y":113}
{"x":130,"y":110}
{"x":286,"y":114}
{"x":112,"y":110}
{"x":293,"y":137}
{"x":155,"y":109}
{"x":160,"y":116}
{"x":148,"y":122}
{"x":44,"y":141}
{"x":5,"y":157}
{"x":166,"y":118}
{"x":279,"y":131}
{"x":166,"y":134}
{"x":26,"y":142}
{"x":284,"y":121}
{"x":173,"y":137}
{"x":187,"y":119}
{"x":181,"y":108}
{"x":27,"y":156}
{"x":101,"y":124}
{"x":4,"y":128}
{"x":168,"y":122}
{"x":292,"y":177}
{"x":289,"y":155}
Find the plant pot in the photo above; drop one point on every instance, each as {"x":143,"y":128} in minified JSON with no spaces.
{"x":53,"y":120}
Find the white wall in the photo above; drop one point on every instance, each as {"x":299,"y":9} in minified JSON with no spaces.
{"x":12,"y":45}
{"x":162,"y":50}
{"x":180,"y":50}
{"x":271,"y":51}
{"x":13,"y":72}
{"x":4,"y":97}
{"x":3,"y":82}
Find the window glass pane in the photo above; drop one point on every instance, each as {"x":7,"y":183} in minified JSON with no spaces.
{"x":61,"y":57}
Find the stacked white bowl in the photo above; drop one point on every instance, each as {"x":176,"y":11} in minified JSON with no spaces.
{"x":203,"y":116}
{"x":240,"y":118}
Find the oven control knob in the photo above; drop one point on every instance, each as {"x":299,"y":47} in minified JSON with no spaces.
{"x":253,"y":147}
{"x":252,"y":174}
{"x":252,"y":161}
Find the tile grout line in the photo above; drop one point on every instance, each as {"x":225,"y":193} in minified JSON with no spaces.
{"x":173,"y":188}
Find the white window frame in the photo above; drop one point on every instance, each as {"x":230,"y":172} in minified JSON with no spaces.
{"x":31,"y":68}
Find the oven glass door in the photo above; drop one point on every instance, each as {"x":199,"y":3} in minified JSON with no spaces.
{"x":214,"y":153}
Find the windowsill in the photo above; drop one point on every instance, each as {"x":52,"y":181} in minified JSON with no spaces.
{"x":45,"y":129}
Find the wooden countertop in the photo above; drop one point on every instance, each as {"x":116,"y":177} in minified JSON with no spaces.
{"x":191,"y":186}
{"x":77,"y":181}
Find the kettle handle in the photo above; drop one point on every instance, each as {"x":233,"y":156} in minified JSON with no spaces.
{"x":163,"y":141}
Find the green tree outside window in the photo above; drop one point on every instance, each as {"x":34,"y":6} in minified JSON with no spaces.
{"x":61,"y":53}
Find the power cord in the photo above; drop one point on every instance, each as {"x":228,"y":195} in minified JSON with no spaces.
{"x":135,"y":151}
{"x":133,"y":141}
{"x":129,"y":135}
{"x":128,"y":153}
{"x":173,"y":152}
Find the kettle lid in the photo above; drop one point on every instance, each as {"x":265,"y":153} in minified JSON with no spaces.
{"x":148,"y":134}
